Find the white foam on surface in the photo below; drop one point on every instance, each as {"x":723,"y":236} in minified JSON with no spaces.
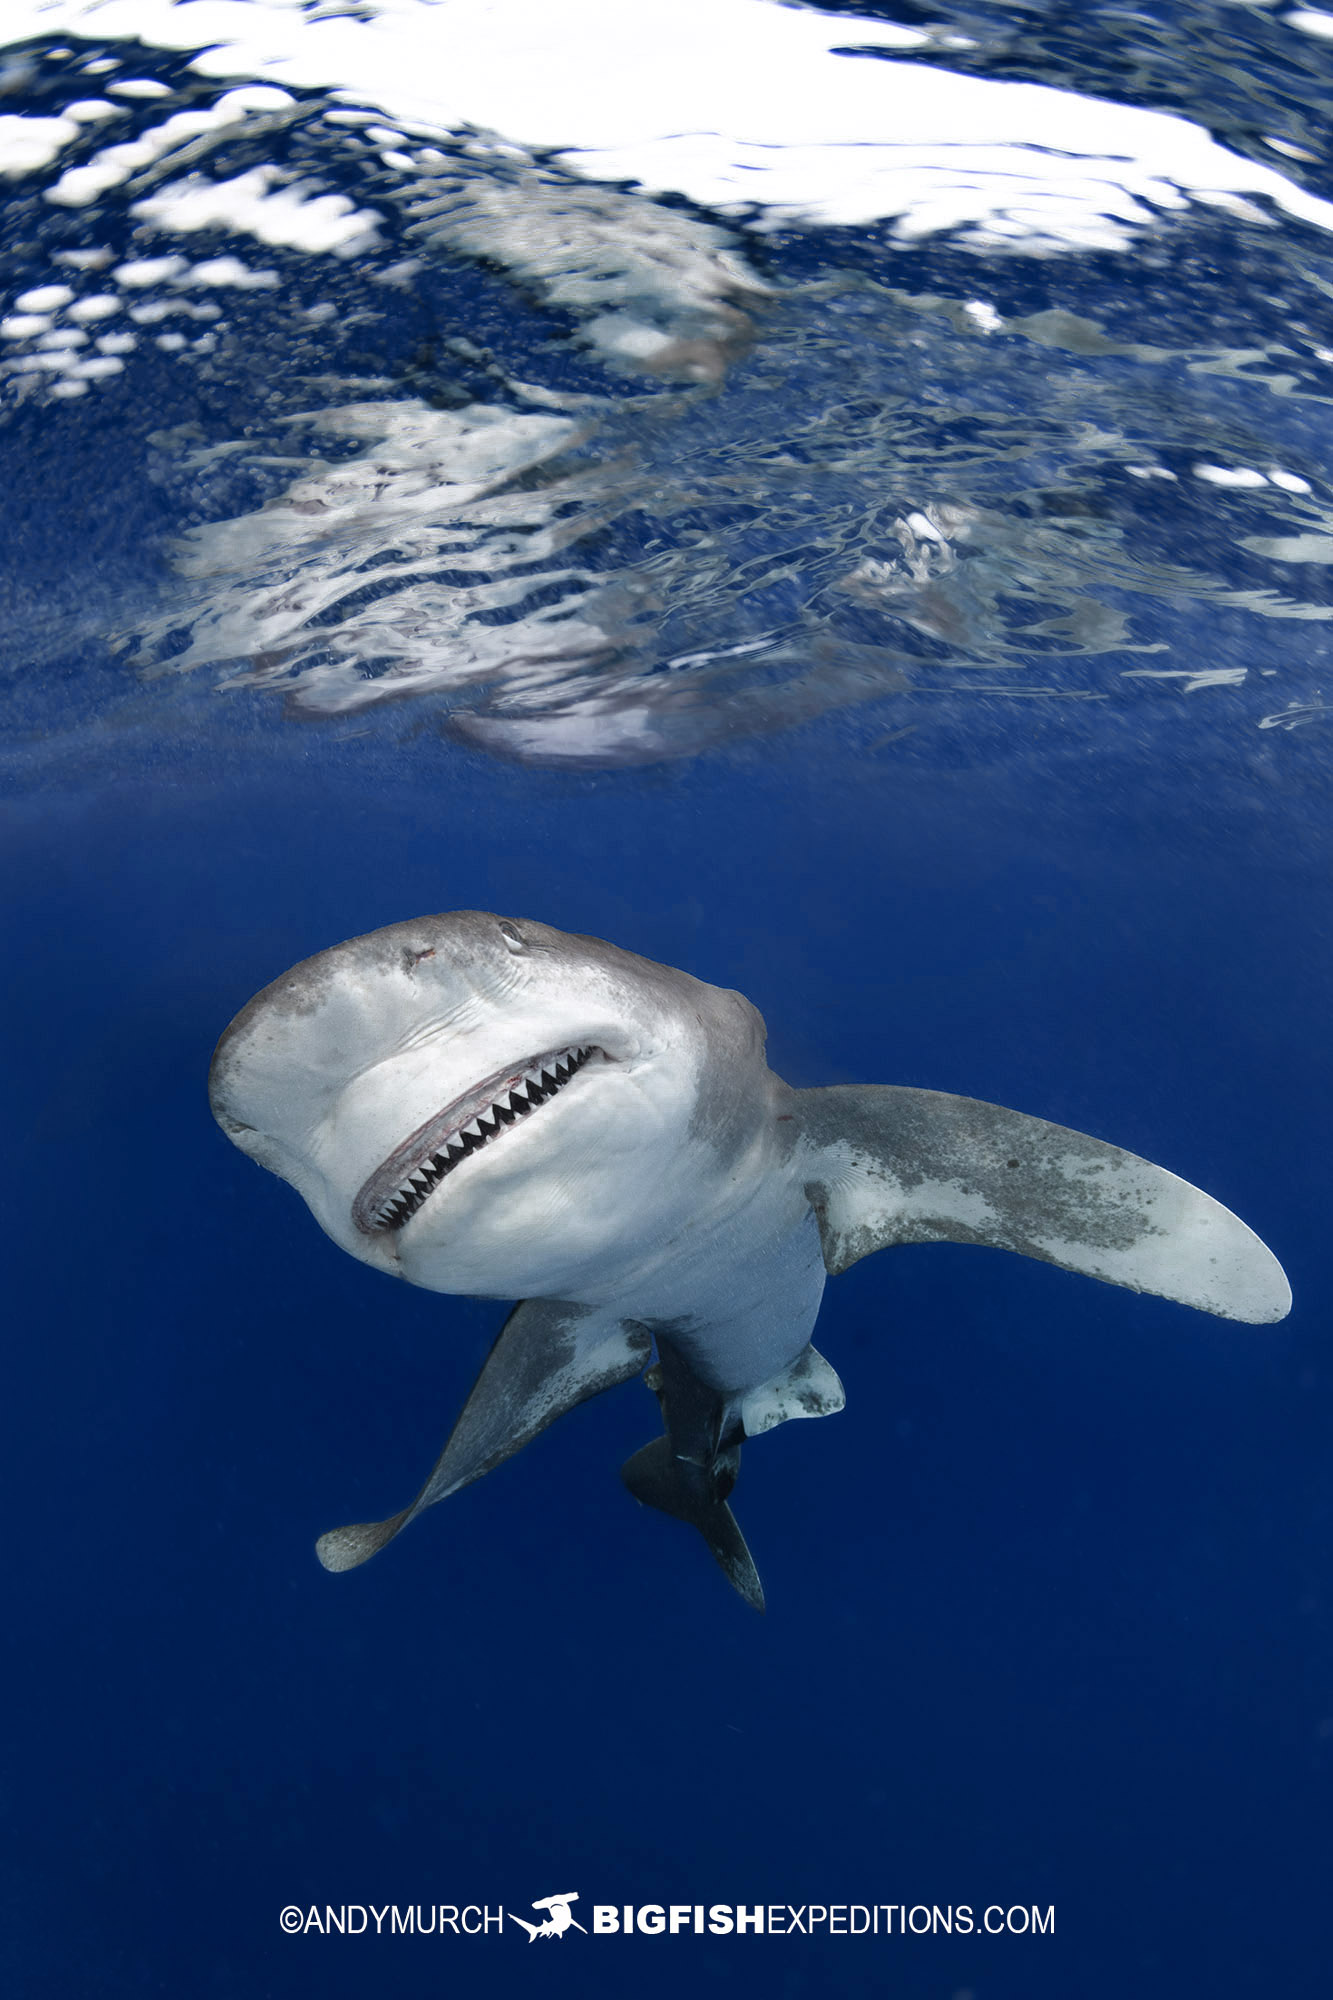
{"x":28,"y":144}
{"x":1311,"y":21}
{"x":44,"y":299}
{"x":82,"y":185}
{"x":229,"y":271}
{"x":1230,"y":475}
{"x":260,"y":204}
{"x":138,"y":273}
{"x":736,"y":104}
{"x":90,"y":110}
{"x":100,"y":306}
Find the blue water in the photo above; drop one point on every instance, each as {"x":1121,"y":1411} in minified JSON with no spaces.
{"x":1049,"y":1617}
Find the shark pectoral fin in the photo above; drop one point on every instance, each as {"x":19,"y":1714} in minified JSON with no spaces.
{"x":347,"y":1548}
{"x":687,"y":1492}
{"x":808,"y":1388}
{"x":887,"y":1165}
{"x":550,"y":1356}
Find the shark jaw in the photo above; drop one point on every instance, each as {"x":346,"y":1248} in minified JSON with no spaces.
{"x":399,"y":1186}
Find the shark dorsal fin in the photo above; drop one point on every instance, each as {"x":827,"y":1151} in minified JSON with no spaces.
{"x":886,"y":1164}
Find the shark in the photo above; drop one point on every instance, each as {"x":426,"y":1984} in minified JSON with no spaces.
{"x":492,"y":1108}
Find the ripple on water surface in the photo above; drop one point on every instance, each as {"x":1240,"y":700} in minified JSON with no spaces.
{"x":610,"y":411}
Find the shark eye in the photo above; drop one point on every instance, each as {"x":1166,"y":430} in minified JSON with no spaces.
{"x":512,"y":935}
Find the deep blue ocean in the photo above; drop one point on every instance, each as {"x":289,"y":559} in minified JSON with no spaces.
{"x":924,"y":632}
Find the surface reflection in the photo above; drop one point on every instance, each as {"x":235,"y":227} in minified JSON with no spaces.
{"x":435,"y":408}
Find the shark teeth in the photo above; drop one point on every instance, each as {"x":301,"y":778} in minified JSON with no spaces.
{"x":397,"y":1190}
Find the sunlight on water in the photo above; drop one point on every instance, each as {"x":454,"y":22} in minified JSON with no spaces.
{"x":616,"y":410}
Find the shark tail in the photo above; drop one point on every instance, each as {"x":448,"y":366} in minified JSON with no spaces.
{"x":685,"y":1490}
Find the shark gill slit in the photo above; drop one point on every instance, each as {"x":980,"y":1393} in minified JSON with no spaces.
{"x":394,"y":1192}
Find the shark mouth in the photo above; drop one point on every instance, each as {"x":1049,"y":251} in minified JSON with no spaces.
{"x":396,"y":1190}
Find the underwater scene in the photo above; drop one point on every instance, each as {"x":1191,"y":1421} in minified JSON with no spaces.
{"x":545,"y":541}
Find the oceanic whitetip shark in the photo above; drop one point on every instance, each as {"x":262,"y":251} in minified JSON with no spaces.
{"x":497,"y":1109}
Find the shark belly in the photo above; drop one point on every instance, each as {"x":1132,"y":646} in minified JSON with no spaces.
{"x":738,"y":1297}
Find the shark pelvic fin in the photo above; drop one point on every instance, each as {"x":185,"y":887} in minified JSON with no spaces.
{"x":549,"y":1357}
{"x":887,"y":1165}
{"x":809,"y":1387}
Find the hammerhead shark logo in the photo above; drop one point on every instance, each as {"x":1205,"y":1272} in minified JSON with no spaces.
{"x":557,"y":1923}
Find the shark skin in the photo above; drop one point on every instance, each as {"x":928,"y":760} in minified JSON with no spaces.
{"x":492,"y":1108}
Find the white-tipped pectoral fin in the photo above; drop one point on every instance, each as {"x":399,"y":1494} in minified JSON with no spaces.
{"x":550,"y":1356}
{"x":888,"y":1165}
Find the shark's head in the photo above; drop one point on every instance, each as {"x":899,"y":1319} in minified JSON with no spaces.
{"x":490,"y":1106}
